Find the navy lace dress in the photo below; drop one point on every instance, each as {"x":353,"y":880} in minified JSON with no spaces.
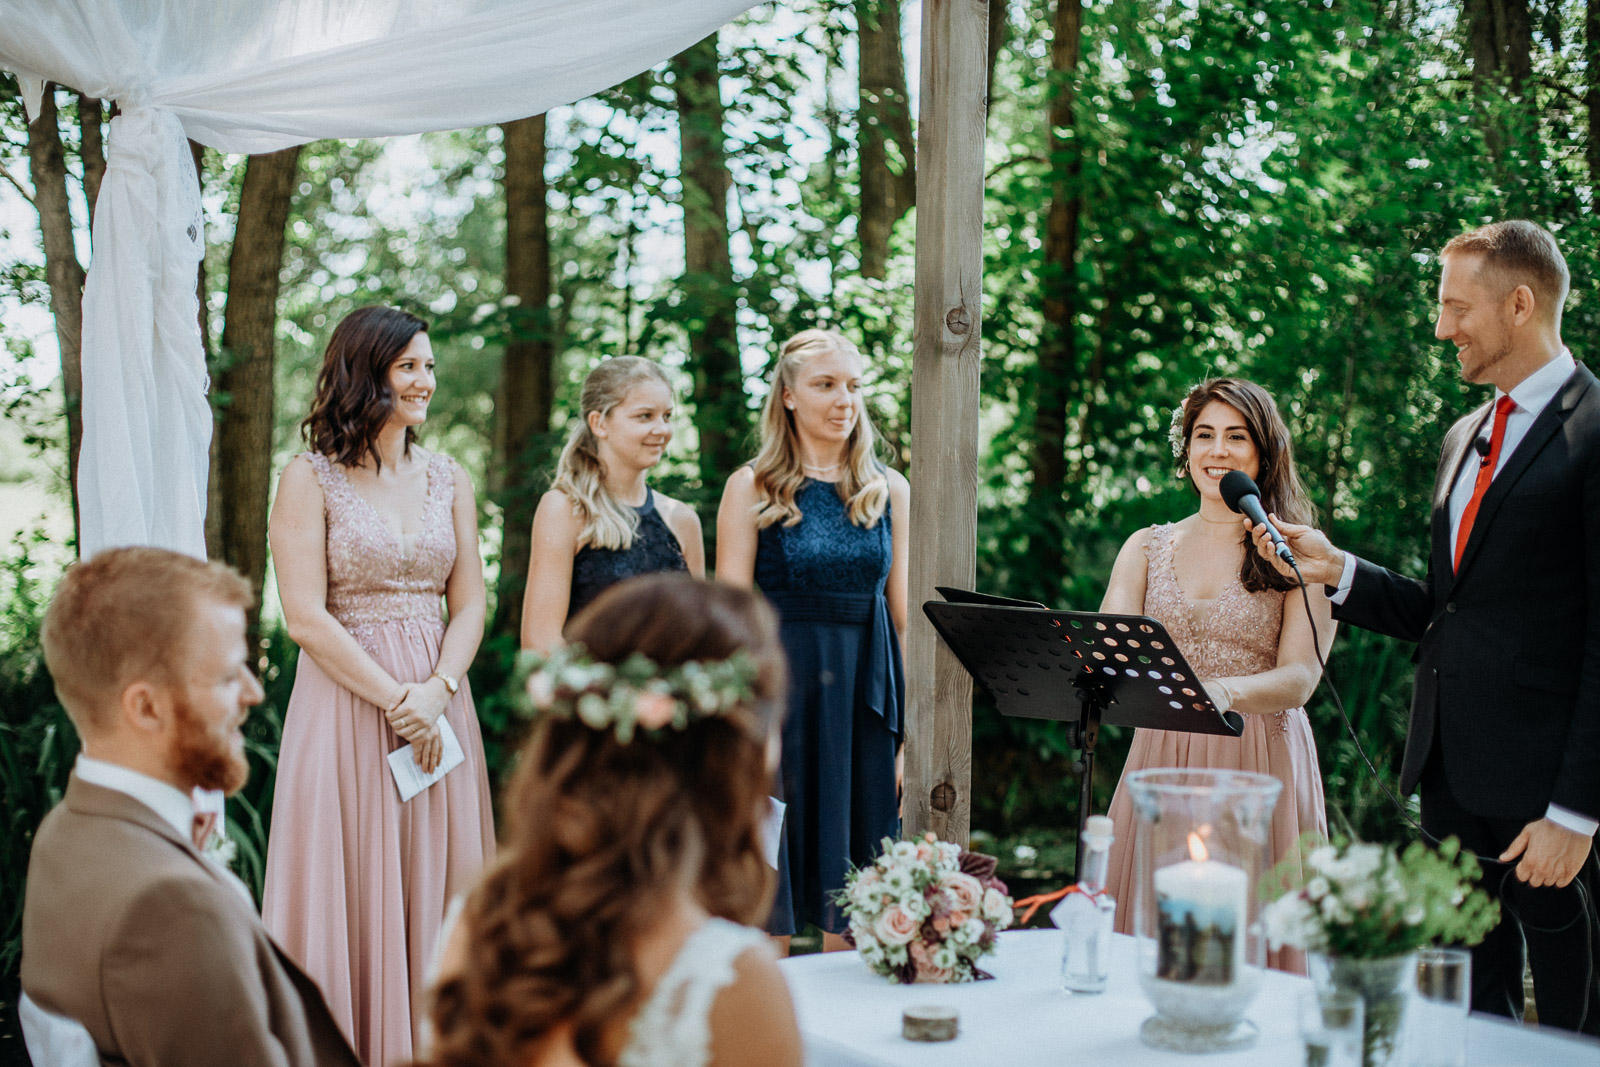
{"x":654,"y":548}
{"x":826,"y":577}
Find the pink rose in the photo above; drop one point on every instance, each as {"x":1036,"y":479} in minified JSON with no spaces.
{"x":941,"y":924}
{"x":963,"y":891}
{"x":958,"y":918}
{"x":654,"y":710}
{"x":927,"y":972}
{"x":894,"y":926}
{"x":921,"y":954}
{"x":924,"y":852}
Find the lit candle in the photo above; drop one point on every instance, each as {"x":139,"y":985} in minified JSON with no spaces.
{"x":1200,"y":904}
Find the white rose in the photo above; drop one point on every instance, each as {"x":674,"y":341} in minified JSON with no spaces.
{"x":972,"y":931}
{"x":996,"y":908}
{"x":1317,"y":888}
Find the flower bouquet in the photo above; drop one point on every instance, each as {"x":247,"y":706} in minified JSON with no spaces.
{"x":1361,"y":911}
{"x":925,"y":911}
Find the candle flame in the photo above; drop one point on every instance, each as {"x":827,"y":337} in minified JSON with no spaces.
{"x":1197,"y":847}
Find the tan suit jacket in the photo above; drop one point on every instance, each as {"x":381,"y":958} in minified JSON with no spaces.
{"x":130,"y":931}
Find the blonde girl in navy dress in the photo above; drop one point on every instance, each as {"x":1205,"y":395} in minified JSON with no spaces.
{"x":818,"y":523}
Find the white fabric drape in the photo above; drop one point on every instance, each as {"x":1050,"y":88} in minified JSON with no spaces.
{"x":256,"y":76}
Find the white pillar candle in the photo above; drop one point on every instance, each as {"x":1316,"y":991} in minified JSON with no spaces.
{"x":1201,"y":919}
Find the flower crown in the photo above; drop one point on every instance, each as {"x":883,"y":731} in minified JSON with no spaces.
{"x":635,"y":694}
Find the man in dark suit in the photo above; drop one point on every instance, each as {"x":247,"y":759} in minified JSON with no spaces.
{"x":1504,"y":739}
{"x":128,"y":929}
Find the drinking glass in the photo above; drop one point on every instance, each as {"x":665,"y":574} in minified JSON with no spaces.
{"x":1331,"y":1027}
{"x":1437,"y":1024}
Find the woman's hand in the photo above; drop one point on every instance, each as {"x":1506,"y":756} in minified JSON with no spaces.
{"x":1220,"y":692}
{"x":419,"y":709}
{"x":428,"y":750}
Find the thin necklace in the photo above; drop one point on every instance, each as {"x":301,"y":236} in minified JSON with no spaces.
{"x":1218,"y":522}
{"x":819,"y":470}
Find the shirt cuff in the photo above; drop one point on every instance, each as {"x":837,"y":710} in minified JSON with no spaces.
{"x":1347,"y":578}
{"x":1579,"y":824}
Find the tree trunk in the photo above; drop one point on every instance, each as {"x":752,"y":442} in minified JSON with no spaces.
{"x":522,"y":405}
{"x":91,"y":116}
{"x":64,"y":274}
{"x":888,"y":186}
{"x":244,"y":425}
{"x":1591,"y":92}
{"x":1500,"y":33}
{"x":708,"y":311}
{"x":1058,"y":352}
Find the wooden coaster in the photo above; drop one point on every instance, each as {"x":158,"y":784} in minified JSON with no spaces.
{"x":929,"y":1022}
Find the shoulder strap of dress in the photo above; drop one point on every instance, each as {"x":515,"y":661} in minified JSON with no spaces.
{"x":322,"y":467}
{"x":673,"y":1029}
{"x":1159,"y":548}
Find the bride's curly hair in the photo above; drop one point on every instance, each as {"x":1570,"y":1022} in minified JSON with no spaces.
{"x":600,"y":833}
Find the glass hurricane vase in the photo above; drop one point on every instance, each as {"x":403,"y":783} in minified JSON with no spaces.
{"x":1200,"y":847}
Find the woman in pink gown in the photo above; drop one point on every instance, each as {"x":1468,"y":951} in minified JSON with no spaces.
{"x":1233,"y":619}
{"x":368,"y":532}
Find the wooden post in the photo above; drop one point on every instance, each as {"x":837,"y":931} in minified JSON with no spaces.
{"x":944,"y":406}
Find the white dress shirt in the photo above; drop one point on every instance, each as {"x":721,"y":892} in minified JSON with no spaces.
{"x":175,"y":806}
{"x":1531,"y":396}
{"x":167,"y":801}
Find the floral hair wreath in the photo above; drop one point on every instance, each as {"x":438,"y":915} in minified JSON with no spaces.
{"x":637,"y":693}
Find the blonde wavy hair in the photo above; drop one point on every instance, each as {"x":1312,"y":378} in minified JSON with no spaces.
{"x":580,"y":474}
{"x":863,"y":486}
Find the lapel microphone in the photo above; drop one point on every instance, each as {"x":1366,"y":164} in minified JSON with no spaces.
{"x":1481,"y":444}
{"x":1240,"y":493}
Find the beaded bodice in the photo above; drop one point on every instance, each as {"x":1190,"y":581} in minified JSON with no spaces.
{"x":824,"y":552}
{"x":372,"y":577}
{"x":655,"y":548}
{"x":1236,"y":634}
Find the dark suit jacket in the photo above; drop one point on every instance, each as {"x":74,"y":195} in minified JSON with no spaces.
{"x":130,"y":931}
{"x":1508,"y":662}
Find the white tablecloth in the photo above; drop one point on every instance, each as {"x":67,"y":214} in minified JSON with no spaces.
{"x":850,"y":1017}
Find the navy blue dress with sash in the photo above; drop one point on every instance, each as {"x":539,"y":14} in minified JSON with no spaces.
{"x":826,"y":577}
{"x":655,"y":548}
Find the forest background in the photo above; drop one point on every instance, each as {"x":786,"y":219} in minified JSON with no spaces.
{"x":1175,"y":188}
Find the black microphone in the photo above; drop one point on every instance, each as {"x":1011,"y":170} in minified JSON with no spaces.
{"x":1482,"y":445}
{"x":1239,"y":492}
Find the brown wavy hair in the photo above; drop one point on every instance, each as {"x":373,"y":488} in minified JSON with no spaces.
{"x":599,"y":833}
{"x":1282,"y":493}
{"x":353,"y":400}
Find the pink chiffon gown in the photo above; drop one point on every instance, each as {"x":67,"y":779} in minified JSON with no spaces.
{"x":357,"y":882}
{"x":1236,"y":634}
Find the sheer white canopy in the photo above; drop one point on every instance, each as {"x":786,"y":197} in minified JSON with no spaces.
{"x":256,"y":76}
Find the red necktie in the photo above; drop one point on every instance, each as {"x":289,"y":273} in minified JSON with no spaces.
{"x":1486,"y":467}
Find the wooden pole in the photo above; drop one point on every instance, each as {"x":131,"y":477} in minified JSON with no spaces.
{"x":944,"y":406}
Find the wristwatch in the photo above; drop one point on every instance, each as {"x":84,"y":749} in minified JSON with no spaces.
{"x":449,"y":682}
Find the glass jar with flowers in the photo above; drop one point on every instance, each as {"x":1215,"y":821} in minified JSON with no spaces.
{"x":1361,"y":911}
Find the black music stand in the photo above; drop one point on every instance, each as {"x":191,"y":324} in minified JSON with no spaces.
{"x":1036,"y":663}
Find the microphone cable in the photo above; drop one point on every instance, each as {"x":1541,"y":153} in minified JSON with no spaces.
{"x":1584,"y":910}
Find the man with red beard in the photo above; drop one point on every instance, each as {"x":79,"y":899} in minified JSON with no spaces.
{"x":128,"y":928}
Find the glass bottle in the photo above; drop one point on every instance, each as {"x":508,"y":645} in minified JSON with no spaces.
{"x":1086,"y":914}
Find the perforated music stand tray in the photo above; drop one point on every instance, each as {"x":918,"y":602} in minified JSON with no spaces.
{"x":1077,"y":667}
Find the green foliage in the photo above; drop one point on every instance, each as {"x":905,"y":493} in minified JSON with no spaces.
{"x":1364,"y":901}
{"x":37,"y":745}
